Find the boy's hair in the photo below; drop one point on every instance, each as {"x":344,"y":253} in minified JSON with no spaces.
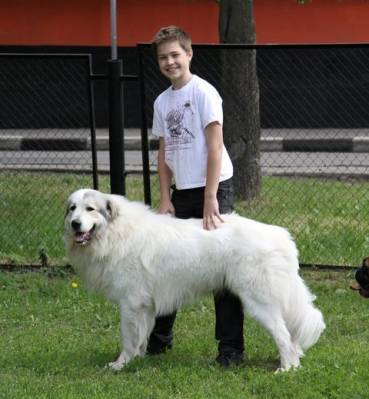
{"x":171,"y":33}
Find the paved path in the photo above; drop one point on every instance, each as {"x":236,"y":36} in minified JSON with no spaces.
{"x":356,"y":140}
{"x":278,"y":157}
{"x":355,"y":165}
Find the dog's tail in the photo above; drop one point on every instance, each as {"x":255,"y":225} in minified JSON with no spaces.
{"x":304,"y":320}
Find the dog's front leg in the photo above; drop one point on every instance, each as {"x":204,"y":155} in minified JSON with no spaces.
{"x":135,"y":326}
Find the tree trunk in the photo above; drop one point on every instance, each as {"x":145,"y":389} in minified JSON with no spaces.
{"x":240,"y":92}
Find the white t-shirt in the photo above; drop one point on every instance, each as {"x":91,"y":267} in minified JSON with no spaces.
{"x":181,"y":116}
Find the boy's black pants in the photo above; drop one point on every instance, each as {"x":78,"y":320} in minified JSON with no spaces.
{"x":228,"y":309}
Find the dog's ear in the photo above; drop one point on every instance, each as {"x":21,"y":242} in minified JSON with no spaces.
{"x":366,"y":262}
{"x":111,"y":208}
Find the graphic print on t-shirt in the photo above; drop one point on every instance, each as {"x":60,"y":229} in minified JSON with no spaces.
{"x":178,"y":127}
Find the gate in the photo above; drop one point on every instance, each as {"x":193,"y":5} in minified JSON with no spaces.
{"x":48,"y":149}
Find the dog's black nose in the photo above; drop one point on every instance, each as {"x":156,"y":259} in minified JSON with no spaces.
{"x":76,"y":224}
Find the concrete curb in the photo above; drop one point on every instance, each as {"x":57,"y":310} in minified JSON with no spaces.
{"x":20,"y":143}
{"x":267,"y":144}
{"x":355,"y":144}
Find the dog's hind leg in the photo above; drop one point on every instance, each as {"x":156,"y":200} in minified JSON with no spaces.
{"x":136,"y":325}
{"x":270,"y":317}
{"x":289,"y":353}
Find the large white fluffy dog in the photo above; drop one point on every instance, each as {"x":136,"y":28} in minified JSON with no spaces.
{"x":151,"y":264}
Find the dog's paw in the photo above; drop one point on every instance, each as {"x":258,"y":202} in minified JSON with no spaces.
{"x":287,"y":368}
{"x":116,"y":366}
{"x":279,"y":370}
{"x":363,"y":292}
{"x":355,"y":286}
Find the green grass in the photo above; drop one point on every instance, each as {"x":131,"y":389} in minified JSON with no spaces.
{"x":33,"y":206}
{"x":56,"y":340}
{"x":327,"y":218}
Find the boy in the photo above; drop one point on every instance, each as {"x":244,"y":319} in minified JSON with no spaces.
{"x":188,"y":119}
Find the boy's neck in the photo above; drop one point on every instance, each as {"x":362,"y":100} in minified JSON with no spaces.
{"x":178,"y":84}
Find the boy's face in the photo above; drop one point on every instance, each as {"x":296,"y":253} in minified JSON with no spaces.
{"x":174,"y":63}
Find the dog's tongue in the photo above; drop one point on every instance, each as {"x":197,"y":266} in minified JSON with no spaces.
{"x":80,"y":237}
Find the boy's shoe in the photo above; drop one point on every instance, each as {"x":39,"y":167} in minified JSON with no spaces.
{"x":226,"y":359}
{"x":153,"y":349}
{"x":160,"y":342}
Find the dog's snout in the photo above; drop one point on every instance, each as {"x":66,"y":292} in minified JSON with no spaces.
{"x":76,"y":225}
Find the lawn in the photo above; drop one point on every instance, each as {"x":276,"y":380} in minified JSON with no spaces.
{"x":56,"y":340}
{"x":327,"y":218}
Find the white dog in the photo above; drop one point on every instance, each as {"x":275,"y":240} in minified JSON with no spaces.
{"x":151,"y":264}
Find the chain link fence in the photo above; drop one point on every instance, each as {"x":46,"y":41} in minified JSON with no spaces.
{"x":314,"y":145}
{"x":46,"y":132}
{"x":314,"y":140}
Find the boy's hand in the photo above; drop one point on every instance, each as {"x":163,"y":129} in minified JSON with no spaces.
{"x":166,"y":207}
{"x":211,"y":217}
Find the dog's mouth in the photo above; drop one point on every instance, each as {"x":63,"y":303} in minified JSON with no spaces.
{"x":83,"y":237}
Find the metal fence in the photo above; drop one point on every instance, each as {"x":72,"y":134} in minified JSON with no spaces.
{"x":46,"y":119}
{"x":314,"y":139}
{"x":314,"y":145}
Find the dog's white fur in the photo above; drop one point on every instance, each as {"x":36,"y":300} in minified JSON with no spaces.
{"x":151,"y":264}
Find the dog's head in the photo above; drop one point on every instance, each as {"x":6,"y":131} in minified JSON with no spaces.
{"x":88,"y":211}
{"x":362,"y":279}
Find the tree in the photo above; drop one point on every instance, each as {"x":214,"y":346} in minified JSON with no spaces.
{"x":240,"y":91}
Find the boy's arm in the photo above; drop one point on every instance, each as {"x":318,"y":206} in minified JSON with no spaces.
{"x":165,"y":179}
{"x":214,"y":139}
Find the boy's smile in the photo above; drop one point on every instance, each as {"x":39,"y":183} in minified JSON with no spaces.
{"x":174,"y":63}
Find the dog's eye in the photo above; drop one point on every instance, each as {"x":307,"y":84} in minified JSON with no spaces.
{"x":72,"y":208}
{"x":90,"y":209}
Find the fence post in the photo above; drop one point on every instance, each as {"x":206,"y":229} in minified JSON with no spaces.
{"x":116,"y":125}
{"x":144,"y":135}
{"x":91,"y":115}
{"x":116,"y":132}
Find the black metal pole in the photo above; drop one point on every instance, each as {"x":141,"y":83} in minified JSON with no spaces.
{"x":91,"y":101}
{"x":116,"y":133}
{"x":144,"y":135}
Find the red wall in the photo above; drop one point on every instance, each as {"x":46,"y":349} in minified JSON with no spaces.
{"x":313,"y":21}
{"x":142,"y":19}
{"x":54,"y":22}
{"x":87,"y":22}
